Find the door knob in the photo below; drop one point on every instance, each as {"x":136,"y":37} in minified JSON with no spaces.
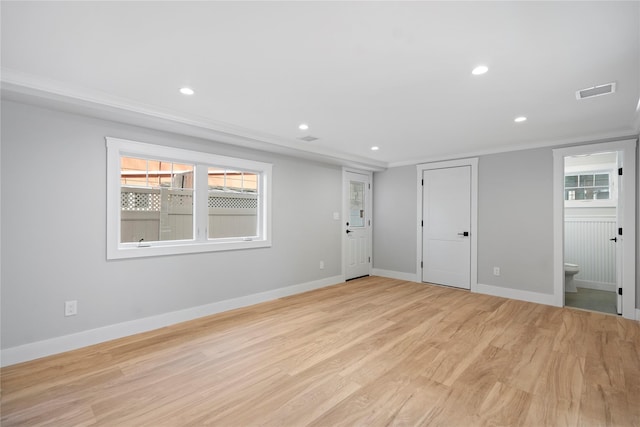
{"x":348,"y":231}
{"x":615,"y":239}
{"x":464,"y":233}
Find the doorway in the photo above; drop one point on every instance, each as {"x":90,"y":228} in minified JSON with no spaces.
{"x":590,"y":228}
{"x":447,"y":223}
{"x":568,"y":191}
{"x":357,"y":224}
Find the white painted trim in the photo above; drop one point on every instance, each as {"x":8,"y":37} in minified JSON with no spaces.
{"x":22,"y":87}
{"x":498,"y":291}
{"x":627,"y":209}
{"x":473,"y":163}
{"x":638,"y":314}
{"x":26,"y":88}
{"x":398,"y":275}
{"x":585,"y":139}
{"x":35,"y":350}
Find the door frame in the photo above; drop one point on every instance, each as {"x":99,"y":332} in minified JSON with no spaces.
{"x":473,"y":163}
{"x":626,"y":208}
{"x":345,"y":215}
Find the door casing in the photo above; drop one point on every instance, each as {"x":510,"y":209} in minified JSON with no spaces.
{"x":627,"y":212}
{"x":473,"y":164}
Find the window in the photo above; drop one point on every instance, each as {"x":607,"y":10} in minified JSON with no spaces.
{"x":156,"y":200}
{"x":356,"y":203}
{"x":588,"y":187}
{"x":163,"y":200}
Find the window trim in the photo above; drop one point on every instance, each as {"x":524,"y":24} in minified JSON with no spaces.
{"x":117,"y":147}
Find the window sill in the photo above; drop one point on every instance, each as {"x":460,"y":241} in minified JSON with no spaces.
{"x":590,"y":204}
{"x":124,"y":251}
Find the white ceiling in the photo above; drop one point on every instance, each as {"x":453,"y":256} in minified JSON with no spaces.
{"x":392,"y":74}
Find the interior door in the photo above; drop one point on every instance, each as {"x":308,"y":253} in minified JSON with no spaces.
{"x":446,"y":226}
{"x":357,"y":225}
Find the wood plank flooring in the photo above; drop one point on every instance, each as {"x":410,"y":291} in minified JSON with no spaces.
{"x":368,"y":352}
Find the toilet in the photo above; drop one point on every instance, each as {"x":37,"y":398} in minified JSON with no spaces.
{"x":570,"y":270}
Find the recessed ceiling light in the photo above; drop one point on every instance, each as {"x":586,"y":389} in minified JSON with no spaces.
{"x":520,"y":119}
{"x":186,"y":91}
{"x":480,"y":69}
{"x":375,"y":148}
{"x":303,"y":126}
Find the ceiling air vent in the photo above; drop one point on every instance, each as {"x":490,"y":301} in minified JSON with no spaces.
{"x":308,"y":138}
{"x":596,"y":91}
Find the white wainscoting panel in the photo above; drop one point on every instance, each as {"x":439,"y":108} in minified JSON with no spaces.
{"x":587,"y":244}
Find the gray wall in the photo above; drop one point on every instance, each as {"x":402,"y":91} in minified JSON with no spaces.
{"x":394,"y":219}
{"x":53,"y":231}
{"x":515,"y":220}
{"x":54,"y":164}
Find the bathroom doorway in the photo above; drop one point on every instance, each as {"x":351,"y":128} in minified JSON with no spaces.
{"x":590,"y":230}
{"x":585,"y":184}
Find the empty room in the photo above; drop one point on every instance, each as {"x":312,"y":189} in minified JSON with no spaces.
{"x":320,"y":213}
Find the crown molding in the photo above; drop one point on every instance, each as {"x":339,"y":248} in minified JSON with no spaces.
{"x":25,"y":88}
{"x":555,"y":143}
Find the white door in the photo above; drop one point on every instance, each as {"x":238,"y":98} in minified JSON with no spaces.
{"x":357,"y":191}
{"x":446,"y":226}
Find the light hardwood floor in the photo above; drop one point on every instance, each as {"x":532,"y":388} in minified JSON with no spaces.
{"x":368,"y":352}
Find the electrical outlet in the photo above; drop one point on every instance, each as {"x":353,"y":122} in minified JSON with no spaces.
{"x":321,"y":265}
{"x":496,"y":271}
{"x":70,"y":308}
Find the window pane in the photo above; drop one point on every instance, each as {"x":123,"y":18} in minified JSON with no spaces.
{"x":602,"y":180}
{"x":250,"y":182}
{"x":580,"y":194}
{"x":602,"y":193}
{"x":133,"y":172}
{"x":233,"y":203}
{"x":156,"y":200}
{"x":571,"y":181}
{"x":586,"y":180}
{"x":589,"y":193}
{"x":234,"y":181}
{"x":356,"y":204}
{"x":216,"y":178}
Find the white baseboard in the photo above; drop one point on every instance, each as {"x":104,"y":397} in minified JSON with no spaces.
{"x":35,"y":350}
{"x":638,"y":314}
{"x":497,"y":291}
{"x":537,"y":297}
{"x":399,"y":275}
{"x":611,"y":287}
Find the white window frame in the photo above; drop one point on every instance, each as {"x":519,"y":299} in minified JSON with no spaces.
{"x":594,"y":169}
{"x":201,"y":243}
